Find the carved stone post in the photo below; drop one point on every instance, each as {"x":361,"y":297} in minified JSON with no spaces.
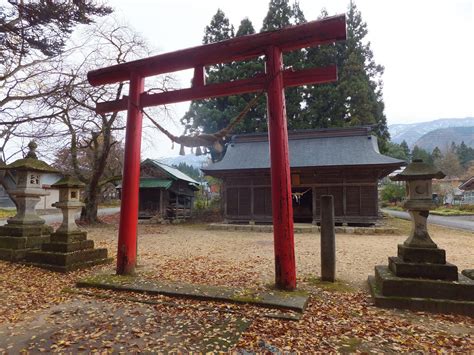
{"x":328,"y":239}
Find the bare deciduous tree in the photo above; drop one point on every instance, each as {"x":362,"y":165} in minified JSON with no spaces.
{"x":89,"y":137}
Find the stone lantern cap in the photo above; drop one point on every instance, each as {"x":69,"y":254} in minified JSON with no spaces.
{"x":417,"y":170}
{"x":31,"y":162}
{"x":68,"y":181}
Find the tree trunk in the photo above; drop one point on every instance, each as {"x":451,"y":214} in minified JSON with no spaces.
{"x":89,"y":211}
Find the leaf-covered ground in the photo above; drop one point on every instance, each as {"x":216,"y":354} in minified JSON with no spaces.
{"x":43,"y":311}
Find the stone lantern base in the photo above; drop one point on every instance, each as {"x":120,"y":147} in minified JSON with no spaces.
{"x":420,"y":279}
{"x":16,"y":240}
{"x":67,"y":251}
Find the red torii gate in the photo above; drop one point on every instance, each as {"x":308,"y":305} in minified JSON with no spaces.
{"x":270,"y":44}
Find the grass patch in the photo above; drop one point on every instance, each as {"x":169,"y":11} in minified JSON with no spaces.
{"x":109,"y":279}
{"x":282,"y":293}
{"x":403,"y":225}
{"x":337,"y":286}
{"x":441,"y":211}
{"x":7,"y":213}
{"x":450,"y":212}
{"x":247,"y":296}
{"x":349,"y":345}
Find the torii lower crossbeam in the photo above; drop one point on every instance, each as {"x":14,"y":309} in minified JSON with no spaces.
{"x":275,"y":79}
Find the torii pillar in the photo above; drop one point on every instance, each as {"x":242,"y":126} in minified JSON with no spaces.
{"x":276,"y":78}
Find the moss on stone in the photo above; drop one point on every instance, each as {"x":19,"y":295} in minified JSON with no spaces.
{"x":349,"y":346}
{"x":337,"y":286}
{"x":247,"y":296}
{"x":31,"y":164}
{"x":110,"y":279}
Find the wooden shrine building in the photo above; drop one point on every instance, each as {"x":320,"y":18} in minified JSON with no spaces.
{"x":165,"y":190}
{"x":345,"y":163}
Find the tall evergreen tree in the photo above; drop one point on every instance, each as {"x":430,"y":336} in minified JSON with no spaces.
{"x":465,"y":154}
{"x":280,"y":15}
{"x":436,"y":155}
{"x":395,"y":150}
{"x":420,"y":153}
{"x":211,"y":115}
{"x":254,"y":120}
{"x":356,"y":99}
{"x":321,"y":101}
{"x":405,"y":148}
{"x":360,"y":84}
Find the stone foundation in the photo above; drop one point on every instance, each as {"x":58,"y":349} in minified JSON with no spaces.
{"x":17,"y":240}
{"x":67,"y":252}
{"x":436,"y":296}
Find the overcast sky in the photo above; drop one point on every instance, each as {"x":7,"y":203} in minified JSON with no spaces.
{"x":426,"y":46}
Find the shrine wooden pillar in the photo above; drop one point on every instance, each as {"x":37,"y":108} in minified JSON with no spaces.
{"x":282,"y":208}
{"x":127,"y":243}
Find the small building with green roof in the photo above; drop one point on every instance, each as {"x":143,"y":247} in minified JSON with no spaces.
{"x":164,"y":191}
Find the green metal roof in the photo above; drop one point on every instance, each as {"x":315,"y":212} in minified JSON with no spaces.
{"x":148,"y":183}
{"x":171,"y":171}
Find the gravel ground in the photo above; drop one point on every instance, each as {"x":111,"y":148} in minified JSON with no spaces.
{"x":42,"y":311}
{"x":188,"y":252}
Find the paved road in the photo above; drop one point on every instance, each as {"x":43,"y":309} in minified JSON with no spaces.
{"x":459,"y":222}
{"x":58,"y":217}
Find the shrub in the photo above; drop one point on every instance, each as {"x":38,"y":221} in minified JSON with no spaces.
{"x":467,"y":208}
{"x":393,"y":193}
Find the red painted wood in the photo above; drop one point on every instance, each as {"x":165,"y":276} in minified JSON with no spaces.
{"x":199,"y":78}
{"x":290,"y":78}
{"x":309,"y":76}
{"x":312,"y":33}
{"x":127,"y":243}
{"x":282,"y":210}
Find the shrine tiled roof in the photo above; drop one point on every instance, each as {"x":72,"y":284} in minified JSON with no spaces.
{"x":311,"y":148}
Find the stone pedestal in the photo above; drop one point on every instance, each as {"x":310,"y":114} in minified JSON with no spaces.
{"x":419,"y":278}
{"x":17,"y":240}
{"x":69,"y":249}
{"x":67,"y":252}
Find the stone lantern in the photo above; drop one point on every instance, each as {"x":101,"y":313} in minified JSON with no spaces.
{"x":69,"y":202}
{"x":419,"y":278}
{"x":419,"y":200}
{"x":26,"y":230}
{"x":69,"y":249}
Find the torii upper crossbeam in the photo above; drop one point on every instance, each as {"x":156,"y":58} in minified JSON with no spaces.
{"x":274,"y":80}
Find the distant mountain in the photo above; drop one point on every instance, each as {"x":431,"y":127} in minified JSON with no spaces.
{"x":443,"y":137}
{"x":189,"y":159}
{"x":412,"y":132}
